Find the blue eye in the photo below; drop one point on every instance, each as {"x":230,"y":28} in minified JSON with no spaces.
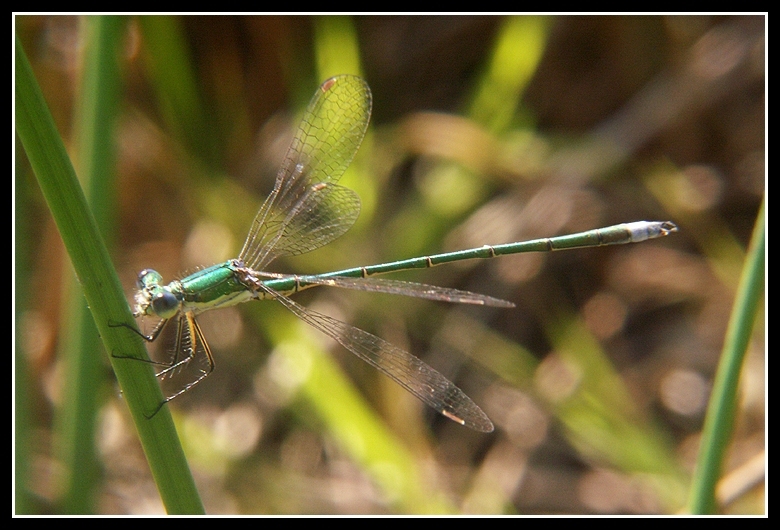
{"x":165,"y":304}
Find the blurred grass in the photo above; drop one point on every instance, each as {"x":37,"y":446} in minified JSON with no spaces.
{"x":81,"y":350}
{"x":467,"y":147}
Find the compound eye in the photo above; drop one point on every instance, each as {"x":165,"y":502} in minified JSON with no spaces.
{"x":148,"y":277}
{"x":165,"y":304}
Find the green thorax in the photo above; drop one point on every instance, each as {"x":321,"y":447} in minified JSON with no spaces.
{"x":215,"y":286}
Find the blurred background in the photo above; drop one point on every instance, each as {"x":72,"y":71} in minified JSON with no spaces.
{"x":485,"y":130}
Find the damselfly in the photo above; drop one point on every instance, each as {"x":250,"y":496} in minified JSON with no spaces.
{"x":306,"y":210}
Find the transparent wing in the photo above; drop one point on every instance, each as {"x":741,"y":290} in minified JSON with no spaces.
{"x":306,"y":209}
{"x":404,"y":368}
{"x":417,"y":290}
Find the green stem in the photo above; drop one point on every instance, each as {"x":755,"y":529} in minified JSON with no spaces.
{"x":720,"y":414}
{"x":106,"y":300}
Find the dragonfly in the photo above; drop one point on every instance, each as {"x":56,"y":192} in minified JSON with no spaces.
{"x":308,"y":209}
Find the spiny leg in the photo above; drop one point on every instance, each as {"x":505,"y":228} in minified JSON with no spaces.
{"x":194,"y":333}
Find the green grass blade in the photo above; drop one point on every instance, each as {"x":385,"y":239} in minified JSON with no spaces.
{"x":60,"y":187}
{"x":509,"y":71}
{"x":172,"y":72}
{"x":723,"y":402}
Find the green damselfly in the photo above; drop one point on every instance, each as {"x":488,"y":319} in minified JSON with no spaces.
{"x":306,"y":210}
